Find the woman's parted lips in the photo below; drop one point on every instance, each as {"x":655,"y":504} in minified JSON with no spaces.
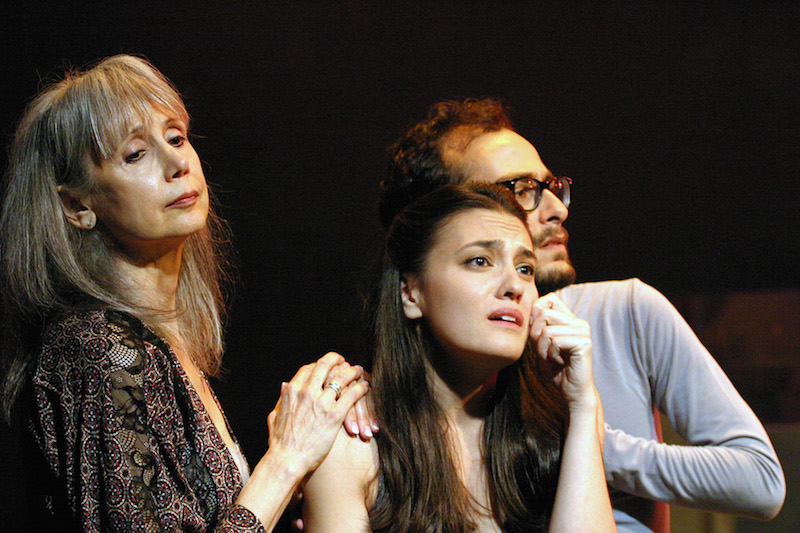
{"x":507,"y":314}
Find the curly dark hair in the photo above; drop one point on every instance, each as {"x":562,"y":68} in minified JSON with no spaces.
{"x":416,"y":166}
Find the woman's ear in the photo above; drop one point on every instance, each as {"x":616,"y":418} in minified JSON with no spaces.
{"x":412,"y":297}
{"x":75,"y":209}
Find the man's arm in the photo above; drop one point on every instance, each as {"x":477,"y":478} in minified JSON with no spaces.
{"x":729,"y":464}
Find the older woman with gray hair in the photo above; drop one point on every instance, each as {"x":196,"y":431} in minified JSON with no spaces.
{"x":113,"y":319}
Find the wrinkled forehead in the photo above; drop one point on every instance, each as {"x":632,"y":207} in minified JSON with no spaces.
{"x":479,"y":225}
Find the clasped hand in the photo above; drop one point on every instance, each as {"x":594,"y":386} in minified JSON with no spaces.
{"x":312,"y":407}
{"x":564,"y":342}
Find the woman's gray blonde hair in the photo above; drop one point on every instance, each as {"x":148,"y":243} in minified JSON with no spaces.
{"x":48,"y":264}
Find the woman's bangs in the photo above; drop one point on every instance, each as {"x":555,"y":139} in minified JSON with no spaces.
{"x":126,"y":103}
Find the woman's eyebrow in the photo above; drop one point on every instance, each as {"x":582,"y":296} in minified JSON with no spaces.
{"x":525,"y":252}
{"x":496,"y":244}
{"x":491,"y":244}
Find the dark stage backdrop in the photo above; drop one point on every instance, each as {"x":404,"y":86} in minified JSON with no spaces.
{"x":677,"y":121}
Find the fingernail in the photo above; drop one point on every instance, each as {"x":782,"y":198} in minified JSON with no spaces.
{"x":354,"y":428}
{"x":367,"y":431}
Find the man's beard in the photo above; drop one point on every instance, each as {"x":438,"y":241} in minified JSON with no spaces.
{"x":555,"y":276}
{"x":557,"y":273}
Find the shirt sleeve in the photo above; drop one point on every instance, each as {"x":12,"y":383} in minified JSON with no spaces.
{"x":728,"y":464}
{"x":238,"y":519}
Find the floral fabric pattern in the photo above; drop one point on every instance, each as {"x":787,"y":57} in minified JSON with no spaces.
{"x":120,"y":439}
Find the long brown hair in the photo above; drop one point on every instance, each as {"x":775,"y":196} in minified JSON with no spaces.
{"x":48,"y":265}
{"x":419,"y":488}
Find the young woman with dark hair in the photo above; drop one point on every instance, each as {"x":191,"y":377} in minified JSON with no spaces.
{"x":489,"y":417}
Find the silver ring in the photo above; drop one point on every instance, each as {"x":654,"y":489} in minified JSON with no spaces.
{"x":333,"y":386}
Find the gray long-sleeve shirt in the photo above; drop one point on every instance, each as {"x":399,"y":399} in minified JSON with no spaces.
{"x":646,"y":357}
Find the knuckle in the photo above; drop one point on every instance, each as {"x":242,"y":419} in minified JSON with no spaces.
{"x":333,"y":357}
{"x":333,"y":417}
{"x":319,"y":405}
{"x":291,"y":389}
{"x":305,"y":394}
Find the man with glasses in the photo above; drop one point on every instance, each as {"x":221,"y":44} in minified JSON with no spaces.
{"x":646,"y":358}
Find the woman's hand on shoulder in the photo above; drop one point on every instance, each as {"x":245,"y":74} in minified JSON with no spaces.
{"x":564,"y":342}
{"x":302,"y":429}
{"x":311,"y":409}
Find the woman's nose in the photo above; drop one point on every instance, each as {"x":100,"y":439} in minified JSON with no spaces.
{"x":511,"y":286}
{"x":177,"y":165}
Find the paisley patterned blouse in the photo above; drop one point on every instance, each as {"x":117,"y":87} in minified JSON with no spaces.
{"x":120,"y":439}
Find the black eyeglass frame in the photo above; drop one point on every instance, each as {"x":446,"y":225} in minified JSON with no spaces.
{"x":540,"y":188}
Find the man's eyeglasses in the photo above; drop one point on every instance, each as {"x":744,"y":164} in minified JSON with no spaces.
{"x":529,"y":191}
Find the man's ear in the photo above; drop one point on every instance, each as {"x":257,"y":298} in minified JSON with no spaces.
{"x":412,"y":297}
{"x":75,"y":209}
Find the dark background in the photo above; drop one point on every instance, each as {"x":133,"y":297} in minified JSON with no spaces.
{"x":677,"y":121}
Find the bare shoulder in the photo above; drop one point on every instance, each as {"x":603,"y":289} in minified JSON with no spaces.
{"x":339,"y":493}
{"x":353,"y":458}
